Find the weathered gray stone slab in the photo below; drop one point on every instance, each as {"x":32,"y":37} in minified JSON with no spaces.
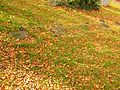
{"x":58,"y":30}
{"x":20,"y":34}
{"x":104,"y":24}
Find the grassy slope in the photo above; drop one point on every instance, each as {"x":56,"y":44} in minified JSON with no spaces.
{"x":87,"y":56}
{"x":115,"y":4}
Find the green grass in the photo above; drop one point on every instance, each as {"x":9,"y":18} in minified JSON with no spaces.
{"x":83,"y":58}
{"x":1,"y":29}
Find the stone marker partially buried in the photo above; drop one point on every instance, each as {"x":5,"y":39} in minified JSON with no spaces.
{"x":20,"y":34}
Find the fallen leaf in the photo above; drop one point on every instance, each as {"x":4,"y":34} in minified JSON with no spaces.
{"x":2,"y":88}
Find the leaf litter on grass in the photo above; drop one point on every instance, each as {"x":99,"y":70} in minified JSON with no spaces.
{"x":82,"y":59}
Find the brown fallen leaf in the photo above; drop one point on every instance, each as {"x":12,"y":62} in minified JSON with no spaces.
{"x":12,"y":54}
{"x":2,"y":87}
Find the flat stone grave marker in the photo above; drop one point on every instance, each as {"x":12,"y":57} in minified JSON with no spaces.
{"x":20,"y":34}
{"x":104,"y":24}
{"x":58,"y":30}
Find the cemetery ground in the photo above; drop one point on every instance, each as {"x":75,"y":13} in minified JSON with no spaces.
{"x":43,"y":47}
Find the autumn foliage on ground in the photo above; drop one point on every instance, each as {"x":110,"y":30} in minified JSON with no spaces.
{"x":46,"y":47}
